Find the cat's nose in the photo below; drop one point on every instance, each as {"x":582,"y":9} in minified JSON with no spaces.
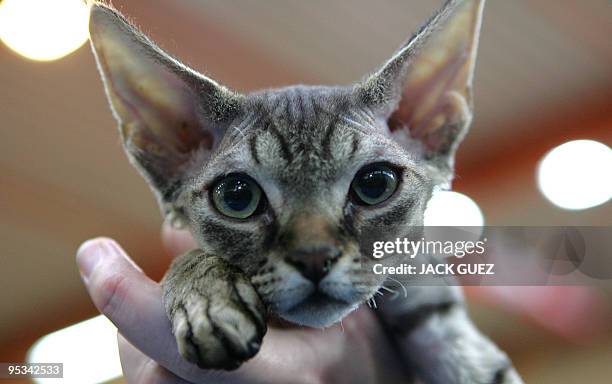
{"x":314,"y":264}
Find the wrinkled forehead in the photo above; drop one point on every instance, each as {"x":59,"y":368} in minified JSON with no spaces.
{"x":304,"y":139}
{"x":302,"y":135}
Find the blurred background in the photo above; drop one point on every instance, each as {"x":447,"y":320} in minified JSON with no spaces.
{"x":543,"y":78}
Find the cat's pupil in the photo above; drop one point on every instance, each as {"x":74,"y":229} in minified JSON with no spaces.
{"x":237,"y":195}
{"x":374,"y":183}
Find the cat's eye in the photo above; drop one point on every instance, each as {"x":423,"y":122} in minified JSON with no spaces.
{"x":374,"y":184}
{"x":237,"y":196}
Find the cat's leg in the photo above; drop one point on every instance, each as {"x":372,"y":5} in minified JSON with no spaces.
{"x":217,"y":316}
{"x":435,"y":335}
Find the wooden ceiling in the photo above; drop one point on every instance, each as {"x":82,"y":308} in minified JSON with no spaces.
{"x":543,"y":77}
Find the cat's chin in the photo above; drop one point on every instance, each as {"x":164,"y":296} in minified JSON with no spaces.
{"x":318,"y":311}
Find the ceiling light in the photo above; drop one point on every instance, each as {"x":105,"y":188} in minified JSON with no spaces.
{"x":44,"y":29}
{"x":577,"y":174}
{"x":448,"y":208}
{"x":87,"y":349}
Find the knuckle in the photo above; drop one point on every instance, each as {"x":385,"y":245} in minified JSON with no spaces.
{"x":150,"y":372}
{"x":110,"y":292}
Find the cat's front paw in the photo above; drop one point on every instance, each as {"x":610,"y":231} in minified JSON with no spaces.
{"x":217,"y":317}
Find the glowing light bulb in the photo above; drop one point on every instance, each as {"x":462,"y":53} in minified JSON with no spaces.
{"x":448,"y":208}
{"x":44,"y":29}
{"x":87,"y":349}
{"x":577,"y":174}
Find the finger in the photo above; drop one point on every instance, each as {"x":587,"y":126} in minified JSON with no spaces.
{"x":177,"y":241}
{"x":133,"y":303}
{"x":139,"y":368}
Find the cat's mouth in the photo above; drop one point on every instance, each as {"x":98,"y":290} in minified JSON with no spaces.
{"x":317,"y":299}
{"x":318,"y":310}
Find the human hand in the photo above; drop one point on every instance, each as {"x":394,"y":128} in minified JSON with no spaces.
{"x":354,"y":351}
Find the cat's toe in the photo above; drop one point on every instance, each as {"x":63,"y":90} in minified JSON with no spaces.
{"x":196,"y":338}
{"x":217,"y":333}
{"x":183,"y":331}
{"x":238,"y":330}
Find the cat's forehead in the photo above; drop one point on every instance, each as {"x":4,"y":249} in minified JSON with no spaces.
{"x":301,"y":111}
{"x":301,"y":134}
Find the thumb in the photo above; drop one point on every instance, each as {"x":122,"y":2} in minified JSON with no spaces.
{"x":132,"y":301}
{"x":115,"y":283}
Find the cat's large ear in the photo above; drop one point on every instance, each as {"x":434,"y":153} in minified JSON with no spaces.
{"x":424,"y":90}
{"x":167,"y":112}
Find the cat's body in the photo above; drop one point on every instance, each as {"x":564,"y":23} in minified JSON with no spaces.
{"x":285,"y":190}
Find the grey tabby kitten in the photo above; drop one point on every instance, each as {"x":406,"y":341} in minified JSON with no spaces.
{"x":284,"y":191}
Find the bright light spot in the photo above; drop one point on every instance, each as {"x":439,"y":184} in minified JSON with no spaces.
{"x":44,"y":29}
{"x":88,"y":350}
{"x":577,"y":174}
{"x":453,"y":209}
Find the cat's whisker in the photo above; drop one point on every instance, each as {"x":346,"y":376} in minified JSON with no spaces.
{"x":240,"y":132}
{"x":400,"y":284}
{"x":372,"y":303}
{"x":354,"y":123}
{"x":388,"y":289}
{"x":394,"y":293}
{"x":366,"y":115}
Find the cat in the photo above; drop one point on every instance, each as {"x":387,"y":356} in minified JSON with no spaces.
{"x":285,"y":189}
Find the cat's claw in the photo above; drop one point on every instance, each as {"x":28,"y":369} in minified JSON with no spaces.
{"x":215,"y":335}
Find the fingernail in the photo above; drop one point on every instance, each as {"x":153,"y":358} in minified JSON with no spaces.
{"x":89,"y":255}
